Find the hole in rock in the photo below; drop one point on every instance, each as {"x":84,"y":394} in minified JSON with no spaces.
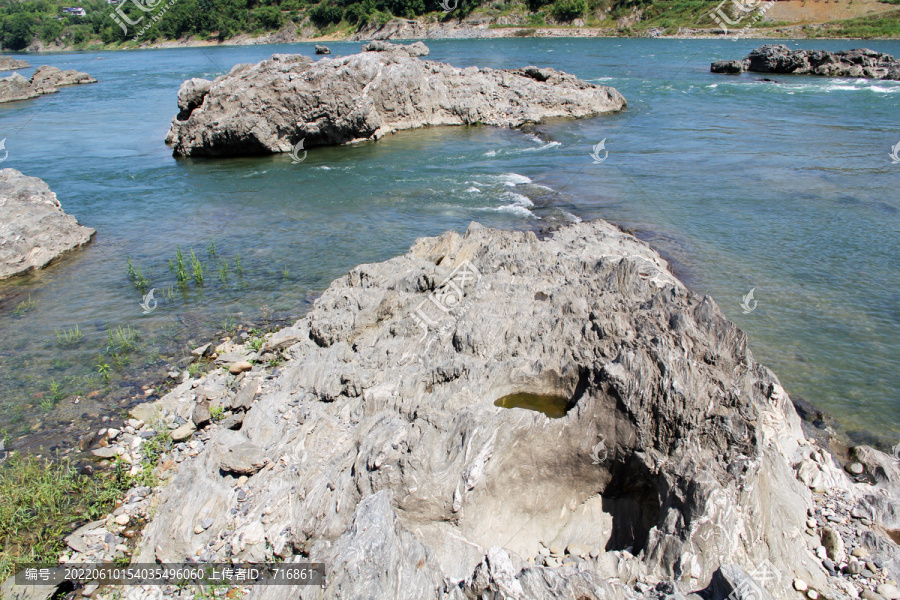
{"x":894,"y":534}
{"x":632,"y":500}
{"x":553,"y":406}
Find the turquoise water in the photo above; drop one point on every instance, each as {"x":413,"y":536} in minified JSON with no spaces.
{"x":785,"y":188}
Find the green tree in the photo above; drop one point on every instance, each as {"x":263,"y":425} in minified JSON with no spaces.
{"x":18,"y":31}
{"x":567,"y":10}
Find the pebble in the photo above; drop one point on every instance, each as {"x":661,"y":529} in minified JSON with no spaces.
{"x":828,"y":564}
{"x":112,"y":433}
{"x":89,"y":589}
{"x":183,"y":432}
{"x":811,"y":523}
{"x":123,"y":519}
{"x":871,"y":566}
{"x":867,"y":574}
{"x":855,"y":468}
{"x":198,"y":529}
{"x":239,"y":367}
{"x":812,"y":594}
{"x":555,"y":549}
{"x":854,"y":568}
{"x":800,"y":585}
{"x":206,"y":523}
{"x":859,"y":552}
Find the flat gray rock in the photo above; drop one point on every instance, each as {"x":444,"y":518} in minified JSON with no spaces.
{"x":34,"y":230}
{"x":778,"y":58}
{"x":243,"y":458}
{"x":273,"y":105}
{"x":15,"y":87}
{"x":8,"y":63}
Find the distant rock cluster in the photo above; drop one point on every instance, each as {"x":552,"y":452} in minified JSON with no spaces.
{"x":778,"y":58}
{"x":45,"y":80}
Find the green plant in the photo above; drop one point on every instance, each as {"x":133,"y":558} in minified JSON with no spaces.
{"x":238,"y":266}
{"x":24,"y":306}
{"x":69,"y":337}
{"x":197,"y":369}
{"x":136,"y":275}
{"x":256,"y":343}
{"x":43,"y":501}
{"x":229,"y":325}
{"x":285,"y":273}
{"x":216,"y":413}
{"x":178,"y":267}
{"x":197,"y":268}
{"x":211,"y":247}
{"x":223,"y":271}
{"x":121,"y":340}
{"x":103,"y":369}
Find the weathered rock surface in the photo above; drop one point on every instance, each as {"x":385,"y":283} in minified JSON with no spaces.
{"x":270,"y":106}
{"x":414,"y":49}
{"x":46,"y":79}
{"x":322,"y":49}
{"x":778,"y":58}
{"x":8,"y":63}
{"x":386,"y":457}
{"x":34,"y":230}
{"x":15,"y":87}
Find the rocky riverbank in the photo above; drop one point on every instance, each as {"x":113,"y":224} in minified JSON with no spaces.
{"x":278,"y":103}
{"x":497,"y":414}
{"x":777,"y":58}
{"x":34,"y":230}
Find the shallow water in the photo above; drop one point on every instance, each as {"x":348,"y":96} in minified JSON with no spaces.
{"x":784,"y":188}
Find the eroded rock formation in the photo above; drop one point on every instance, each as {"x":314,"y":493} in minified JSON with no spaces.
{"x":34,"y":230}
{"x":407,"y":444}
{"x":270,"y":106}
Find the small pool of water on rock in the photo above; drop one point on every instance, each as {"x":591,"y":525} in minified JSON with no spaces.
{"x":554,"y":407}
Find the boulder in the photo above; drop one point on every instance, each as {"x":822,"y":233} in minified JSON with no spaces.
{"x":15,"y":87}
{"x":46,"y":79}
{"x":8,"y":63}
{"x":439,"y":424}
{"x":191,"y":95}
{"x":322,"y":49}
{"x":778,"y":58}
{"x":269,"y":107}
{"x":34,"y":230}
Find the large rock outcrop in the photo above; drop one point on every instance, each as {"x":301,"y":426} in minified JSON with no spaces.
{"x":15,"y":87}
{"x":493,"y":415}
{"x":34,"y":230}
{"x":271,"y":106}
{"x":778,"y":58}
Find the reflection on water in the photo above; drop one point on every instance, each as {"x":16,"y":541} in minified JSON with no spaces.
{"x":554,"y":407}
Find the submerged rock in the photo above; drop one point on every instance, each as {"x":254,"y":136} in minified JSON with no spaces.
{"x":271,"y":106}
{"x":778,"y":58}
{"x":323,"y":50}
{"x":387,"y":458}
{"x":34,"y":230}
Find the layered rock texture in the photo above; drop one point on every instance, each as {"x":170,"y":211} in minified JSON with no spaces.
{"x":271,"y":106}
{"x":34,"y":230}
{"x":45,"y":80}
{"x":778,"y":58}
{"x":493,"y":415}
